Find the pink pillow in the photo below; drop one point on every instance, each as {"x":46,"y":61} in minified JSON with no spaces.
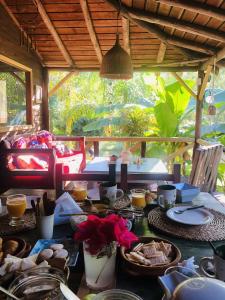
{"x":30,"y":162}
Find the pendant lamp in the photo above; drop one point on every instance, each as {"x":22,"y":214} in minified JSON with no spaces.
{"x":116,"y":63}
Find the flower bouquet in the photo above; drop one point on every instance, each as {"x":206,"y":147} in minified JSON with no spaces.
{"x":100,"y":237}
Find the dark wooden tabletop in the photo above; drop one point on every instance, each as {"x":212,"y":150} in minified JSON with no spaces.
{"x":146,"y":287}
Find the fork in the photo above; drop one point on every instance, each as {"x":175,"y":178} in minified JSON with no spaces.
{"x":180,"y":211}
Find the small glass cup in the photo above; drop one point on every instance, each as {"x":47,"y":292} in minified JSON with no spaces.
{"x":183,"y":270}
{"x":138,"y":198}
{"x":16,"y":206}
{"x":80,"y":190}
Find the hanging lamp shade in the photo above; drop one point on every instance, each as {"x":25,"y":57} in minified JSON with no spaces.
{"x":116,"y":63}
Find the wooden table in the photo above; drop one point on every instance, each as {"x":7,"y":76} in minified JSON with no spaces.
{"x":147,"y":288}
{"x":148,"y":166}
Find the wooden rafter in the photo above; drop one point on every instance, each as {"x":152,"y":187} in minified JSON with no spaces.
{"x":91,"y":30}
{"x":197,"y":7}
{"x":183,"y":83}
{"x":18,"y":78}
{"x":204,"y":83}
{"x":177,"y":43}
{"x":126,"y":34}
{"x":216,"y":58}
{"x":175,"y":23}
{"x":21,"y":29}
{"x":161,"y":52}
{"x":53,"y":32}
{"x":60,"y":83}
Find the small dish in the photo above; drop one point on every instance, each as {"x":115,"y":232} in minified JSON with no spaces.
{"x":199,"y":216}
{"x":122,"y":202}
{"x":22,"y":245}
{"x":70,"y":245}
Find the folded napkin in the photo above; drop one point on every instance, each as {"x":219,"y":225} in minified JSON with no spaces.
{"x":65,"y":204}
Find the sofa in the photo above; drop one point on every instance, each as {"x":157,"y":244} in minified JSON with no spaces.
{"x":29,"y":160}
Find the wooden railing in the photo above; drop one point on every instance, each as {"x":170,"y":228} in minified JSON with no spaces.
{"x":141,"y":142}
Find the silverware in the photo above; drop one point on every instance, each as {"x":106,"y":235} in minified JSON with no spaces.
{"x":68,"y":294}
{"x":9,"y":294}
{"x":180,"y":211}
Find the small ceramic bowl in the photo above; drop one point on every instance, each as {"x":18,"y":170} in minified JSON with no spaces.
{"x":135,"y":268}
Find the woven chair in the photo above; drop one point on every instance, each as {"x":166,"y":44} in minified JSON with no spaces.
{"x":204,"y":167}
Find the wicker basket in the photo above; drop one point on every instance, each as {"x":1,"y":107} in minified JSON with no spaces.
{"x":138,"y":269}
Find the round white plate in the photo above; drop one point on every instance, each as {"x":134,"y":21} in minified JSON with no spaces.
{"x":199,"y":216}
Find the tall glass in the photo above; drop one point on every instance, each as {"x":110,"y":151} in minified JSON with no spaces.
{"x":138,"y":198}
{"x":80,"y":190}
{"x":16,"y":206}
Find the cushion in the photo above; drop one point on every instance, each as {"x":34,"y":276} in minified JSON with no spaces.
{"x":30,"y":162}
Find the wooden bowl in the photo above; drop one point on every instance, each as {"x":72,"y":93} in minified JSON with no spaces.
{"x":135,"y":268}
{"x":22,"y":248}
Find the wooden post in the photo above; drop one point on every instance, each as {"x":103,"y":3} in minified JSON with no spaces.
{"x":29,"y":96}
{"x":199,"y":103}
{"x":96,"y":149}
{"x":45,"y":108}
{"x":143,"y":149}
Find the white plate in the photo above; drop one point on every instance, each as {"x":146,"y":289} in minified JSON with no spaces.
{"x":199,"y":216}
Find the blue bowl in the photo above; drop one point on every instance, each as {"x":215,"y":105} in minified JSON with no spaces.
{"x":186,"y":192}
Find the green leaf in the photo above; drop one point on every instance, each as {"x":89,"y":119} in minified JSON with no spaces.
{"x":166,"y":119}
{"x":98,"y":124}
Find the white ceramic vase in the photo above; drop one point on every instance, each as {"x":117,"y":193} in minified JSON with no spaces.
{"x":100,"y":269}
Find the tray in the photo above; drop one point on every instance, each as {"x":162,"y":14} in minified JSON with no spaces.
{"x":70,"y":245}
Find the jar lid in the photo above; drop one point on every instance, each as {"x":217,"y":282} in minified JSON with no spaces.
{"x":200,"y":288}
{"x":117,"y":294}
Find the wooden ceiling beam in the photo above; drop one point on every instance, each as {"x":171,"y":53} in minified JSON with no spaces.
{"x":179,"y":44}
{"x":184,"y":84}
{"x":53,"y":32}
{"x":216,"y":58}
{"x":61,"y":82}
{"x":161,"y":52}
{"x":91,"y":30}
{"x":14,"y":19}
{"x":126,"y":34}
{"x":197,"y":7}
{"x":177,"y":24}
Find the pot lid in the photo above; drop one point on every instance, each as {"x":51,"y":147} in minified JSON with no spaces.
{"x":200,"y":288}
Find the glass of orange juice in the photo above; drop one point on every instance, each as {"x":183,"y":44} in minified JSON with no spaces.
{"x":80,"y":190}
{"x":138,"y":198}
{"x":16,"y":206}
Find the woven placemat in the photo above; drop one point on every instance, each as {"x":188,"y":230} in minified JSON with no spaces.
{"x":29,"y":223}
{"x":213,"y":231}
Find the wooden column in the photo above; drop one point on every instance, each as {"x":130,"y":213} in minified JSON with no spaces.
{"x":199,"y":103}
{"x":45,"y":107}
{"x":29,"y":96}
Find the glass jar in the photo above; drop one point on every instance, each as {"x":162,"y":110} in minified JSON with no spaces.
{"x":117,"y":294}
{"x":39,"y":283}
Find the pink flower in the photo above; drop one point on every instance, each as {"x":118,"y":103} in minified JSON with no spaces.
{"x":100,"y":232}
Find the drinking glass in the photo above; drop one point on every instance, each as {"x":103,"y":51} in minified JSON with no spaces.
{"x":138,"y":198}
{"x":80,"y":190}
{"x":16,"y":206}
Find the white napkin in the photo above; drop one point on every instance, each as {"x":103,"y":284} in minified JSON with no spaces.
{"x":65,"y":204}
{"x":189,"y":263}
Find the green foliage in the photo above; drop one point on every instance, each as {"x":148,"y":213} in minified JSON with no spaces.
{"x":221,"y":176}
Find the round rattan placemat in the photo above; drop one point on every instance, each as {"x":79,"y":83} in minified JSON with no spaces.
{"x":29,"y":223}
{"x":213,"y":231}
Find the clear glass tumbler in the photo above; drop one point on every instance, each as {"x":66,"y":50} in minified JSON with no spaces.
{"x":80,"y":190}
{"x":138,"y":198}
{"x":16,"y":206}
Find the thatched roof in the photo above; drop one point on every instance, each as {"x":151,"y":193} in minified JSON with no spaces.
{"x":77,"y":33}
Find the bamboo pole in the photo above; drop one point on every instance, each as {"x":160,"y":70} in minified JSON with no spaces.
{"x":45,"y":107}
{"x":183,"y":83}
{"x":60,"y":83}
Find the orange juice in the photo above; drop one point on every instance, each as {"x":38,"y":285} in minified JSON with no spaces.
{"x":80,"y":194}
{"x":16,"y":207}
{"x":138,"y":200}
